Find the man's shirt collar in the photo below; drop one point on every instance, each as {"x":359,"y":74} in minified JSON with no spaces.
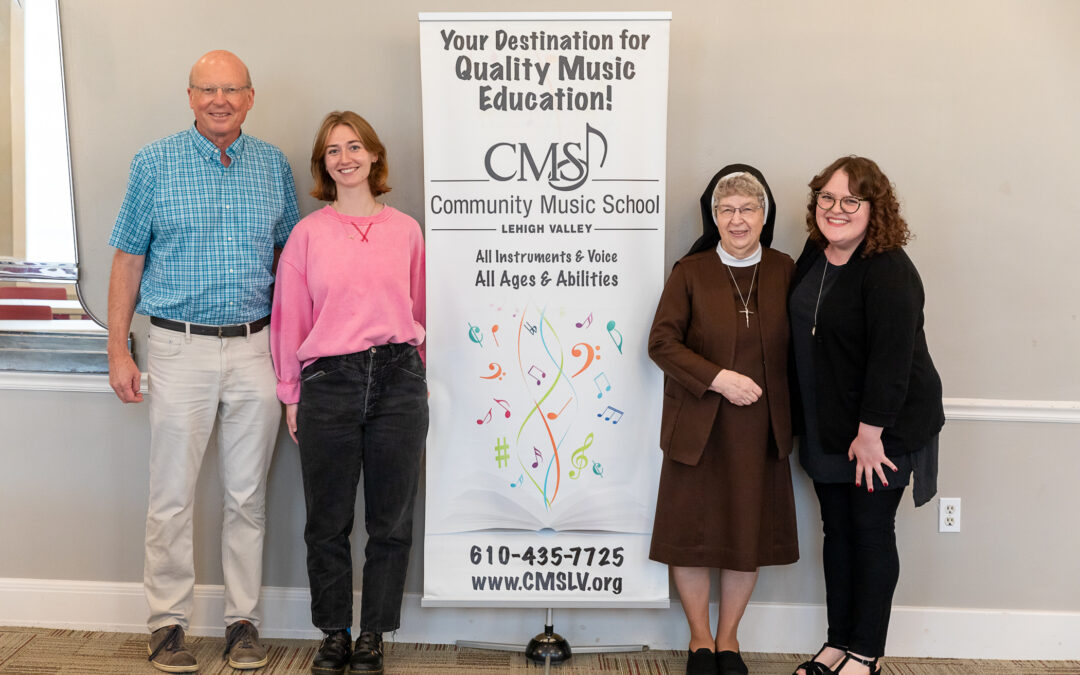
{"x":205,"y":147}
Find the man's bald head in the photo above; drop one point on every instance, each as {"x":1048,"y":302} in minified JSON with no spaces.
{"x":215,"y":61}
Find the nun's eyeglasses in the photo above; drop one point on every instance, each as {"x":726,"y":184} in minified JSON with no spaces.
{"x":728,"y":212}
{"x":849,"y":204}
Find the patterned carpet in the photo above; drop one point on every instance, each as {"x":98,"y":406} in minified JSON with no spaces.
{"x":43,"y":651}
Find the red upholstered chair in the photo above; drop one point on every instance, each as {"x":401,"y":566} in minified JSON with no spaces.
{"x":28,"y":292}
{"x":23,"y":312}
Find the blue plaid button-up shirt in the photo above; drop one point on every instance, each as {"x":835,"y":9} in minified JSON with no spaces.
{"x":208,"y":231}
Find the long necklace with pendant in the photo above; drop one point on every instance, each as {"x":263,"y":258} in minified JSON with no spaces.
{"x":817,"y":303}
{"x":745,"y":301}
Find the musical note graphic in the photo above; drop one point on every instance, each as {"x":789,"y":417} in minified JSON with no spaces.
{"x":531,"y":328}
{"x":600,"y":389}
{"x":578,"y":458}
{"x":475,"y":335}
{"x":520,"y":480}
{"x":501,"y":454}
{"x":586,"y":323}
{"x":590,"y":355}
{"x":495,"y":329}
{"x":486,"y":418}
{"x":539,"y":457}
{"x":596,"y":468}
{"x":505,"y":405}
{"x":613,"y":331}
{"x":542,"y":374}
{"x":498,"y":372}
{"x":553,"y":415}
{"x":615,"y":415}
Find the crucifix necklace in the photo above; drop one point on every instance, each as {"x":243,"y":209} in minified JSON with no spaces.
{"x":745,"y":301}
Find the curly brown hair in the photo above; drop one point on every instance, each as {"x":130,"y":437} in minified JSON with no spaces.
{"x":325,"y":189}
{"x":886,"y":230}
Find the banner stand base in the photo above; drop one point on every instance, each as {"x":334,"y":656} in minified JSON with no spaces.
{"x":549,"y":648}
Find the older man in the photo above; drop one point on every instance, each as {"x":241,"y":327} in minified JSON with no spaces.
{"x":195,"y":238}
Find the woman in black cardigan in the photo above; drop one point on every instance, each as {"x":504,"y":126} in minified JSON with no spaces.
{"x":871,"y":399}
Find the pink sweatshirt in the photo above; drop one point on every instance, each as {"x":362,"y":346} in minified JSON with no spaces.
{"x":345,"y":284}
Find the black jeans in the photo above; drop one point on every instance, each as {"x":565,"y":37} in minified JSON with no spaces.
{"x":361,"y":413}
{"x":862,"y":565}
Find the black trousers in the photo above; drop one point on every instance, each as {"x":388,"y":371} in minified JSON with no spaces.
{"x":862,"y":565}
{"x":361,"y":413}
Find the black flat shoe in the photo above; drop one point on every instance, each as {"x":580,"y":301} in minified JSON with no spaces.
{"x":333,"y":654}
{"x":701,"y":662}
{"x":872,"y":664}
{"x":813,"y":667}
{"x":367,"y":656}
{"x":731,"y":663}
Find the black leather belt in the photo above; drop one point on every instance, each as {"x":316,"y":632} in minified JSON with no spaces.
{"x":238,"y":330}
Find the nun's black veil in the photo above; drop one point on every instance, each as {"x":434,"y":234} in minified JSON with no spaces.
{"x":710,"y":236}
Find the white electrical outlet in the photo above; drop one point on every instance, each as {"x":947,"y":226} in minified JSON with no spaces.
{"x":949,"y":514}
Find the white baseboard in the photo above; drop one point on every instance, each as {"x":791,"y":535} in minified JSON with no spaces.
{"x":767,"y":627}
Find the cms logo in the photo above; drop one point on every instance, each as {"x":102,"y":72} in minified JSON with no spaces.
{"x":565,"y":166}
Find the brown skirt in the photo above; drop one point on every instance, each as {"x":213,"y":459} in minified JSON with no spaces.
{"x":735,"y":510}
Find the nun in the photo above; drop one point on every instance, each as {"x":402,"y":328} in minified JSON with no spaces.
{"x":721,"y":335}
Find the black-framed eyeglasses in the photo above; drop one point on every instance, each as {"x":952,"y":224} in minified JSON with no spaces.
{"x":728,"y":212}
{"x":849,"y":204}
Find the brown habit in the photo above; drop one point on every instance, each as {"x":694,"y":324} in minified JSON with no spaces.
{"x":725,"y":497}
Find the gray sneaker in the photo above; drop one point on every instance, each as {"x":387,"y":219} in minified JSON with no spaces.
{"x":242,"y":646}
{"x":168,"y":653}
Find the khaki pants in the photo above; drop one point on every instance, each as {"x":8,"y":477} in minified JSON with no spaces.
{"x":195,"y":380}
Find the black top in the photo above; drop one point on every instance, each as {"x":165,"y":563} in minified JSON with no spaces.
{"x":821,"y":466}
{"x":871,"y":362}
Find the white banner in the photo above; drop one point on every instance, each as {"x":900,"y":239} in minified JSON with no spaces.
{"x":544,"y":169}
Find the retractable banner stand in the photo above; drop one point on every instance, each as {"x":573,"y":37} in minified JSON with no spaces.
{"x":544,"y":169}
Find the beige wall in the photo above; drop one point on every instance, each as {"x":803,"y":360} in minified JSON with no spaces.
{"x":970,"y":106}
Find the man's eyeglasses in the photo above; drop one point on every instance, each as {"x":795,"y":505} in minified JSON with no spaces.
{"x":848,"y":204}
{"x":230,"y":92}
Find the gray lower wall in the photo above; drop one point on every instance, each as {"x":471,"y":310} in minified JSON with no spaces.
{"x":970,"y":106}
{"x":73,"y":497}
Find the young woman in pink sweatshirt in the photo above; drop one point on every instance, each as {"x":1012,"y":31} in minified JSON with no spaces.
{"x":347,"y":335}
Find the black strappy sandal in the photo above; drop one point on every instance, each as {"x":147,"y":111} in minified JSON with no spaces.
{"x":872,"y":664}
{"x":813,"y":667}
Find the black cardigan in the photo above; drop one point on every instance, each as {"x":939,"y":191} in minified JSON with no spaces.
{"x":871,"y":362}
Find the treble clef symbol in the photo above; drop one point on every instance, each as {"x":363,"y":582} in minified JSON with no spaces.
{"x":578,"y":458}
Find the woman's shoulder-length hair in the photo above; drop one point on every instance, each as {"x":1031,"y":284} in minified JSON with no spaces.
{"x":325,"y":189}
